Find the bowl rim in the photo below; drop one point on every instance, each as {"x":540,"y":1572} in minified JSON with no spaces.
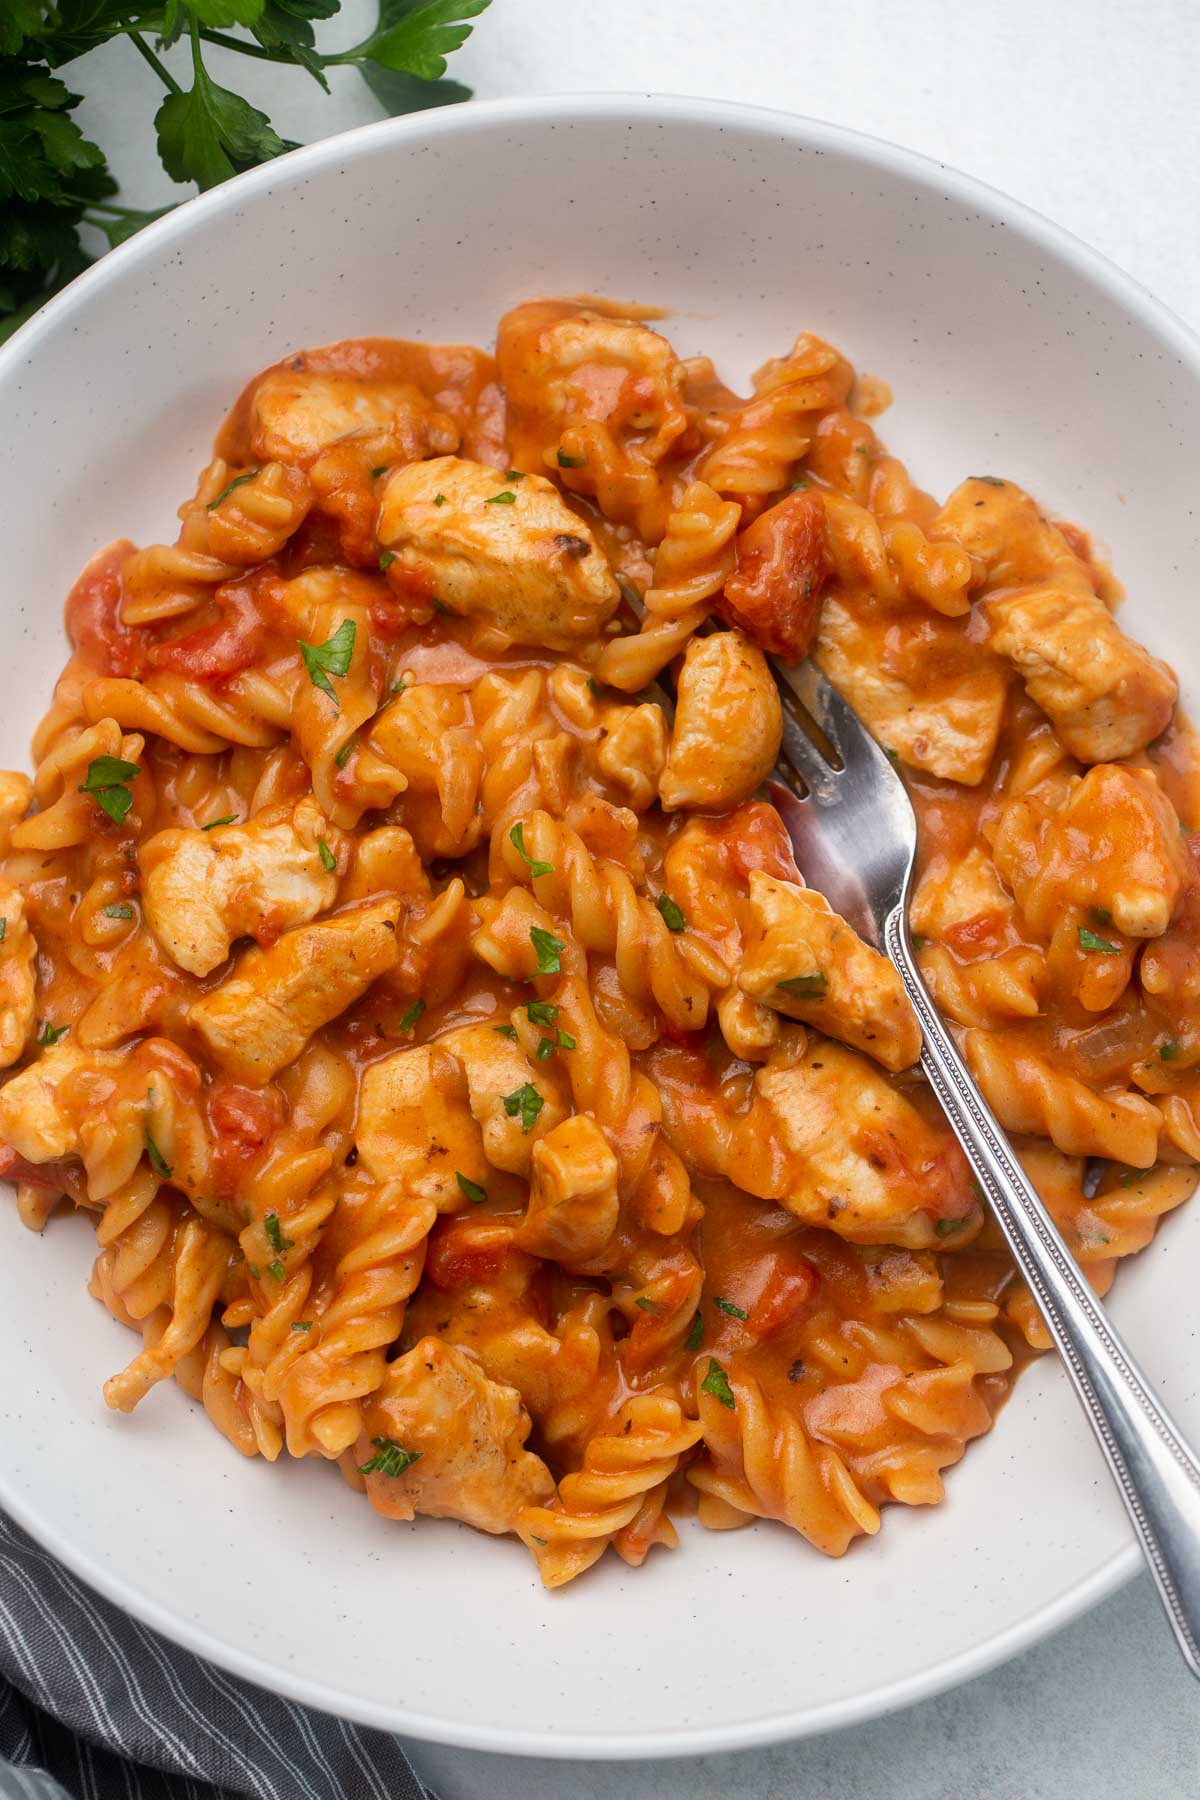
{"x":923,"y":171}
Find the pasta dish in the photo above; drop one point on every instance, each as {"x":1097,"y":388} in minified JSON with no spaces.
{"x":401,"y":963}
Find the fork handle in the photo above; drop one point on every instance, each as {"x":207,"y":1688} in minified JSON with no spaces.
{"x":1157,"y":1474}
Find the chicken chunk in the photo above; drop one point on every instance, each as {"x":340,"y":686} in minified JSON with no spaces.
{"x":1114,"y":848}
{"x":804,"y":960}
{"x":414,"y":1125}
{"x":960,"y":900}
{"x":449,"y":1442}
{"x":18,"y":974}
{"x":838,"y":1145}
{"x":513,"y":1102}
{"x":262,"y":1015}
{"x":573,"y":1199}
{"x":1107,"y":696}
{"x":203,"y":889}
{"x":296,"y":412}
{"x":728,"y":724}
{"x":106,"y":1106}
{"x":510,"y":551}
{"x":919,"y":686}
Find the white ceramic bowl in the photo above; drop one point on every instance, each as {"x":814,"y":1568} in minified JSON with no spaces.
{"x":1010,"y":348}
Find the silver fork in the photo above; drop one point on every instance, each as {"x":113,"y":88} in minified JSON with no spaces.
{"x":855,"y":834}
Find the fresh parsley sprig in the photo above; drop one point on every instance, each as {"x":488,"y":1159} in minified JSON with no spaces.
{"x":54,"y":181}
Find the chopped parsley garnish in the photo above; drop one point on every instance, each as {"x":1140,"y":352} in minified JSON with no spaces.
{"x":565,"y":1040}
{"x":517,"y":837}
{"x":716,"y":1383}
{"x":275,"y":1236}
{"x":569,"y":462}
{"x":237,"y":482}
{"x":390,"y":1458}
{"x":918,"y":941}
{"x":806,"y":987}
{"x":345,"y":753}
{"x":4,"y":923}
{"x":593,"y":685}
{"x":527,"y":1102}
{"x":505,"y":499}
{"x":545,"y":1048}
{"x":471,"y":1189}
{"x":381,"y":469}
{"x":226,"y":819}
{"x":727,"y":1306}
{"x":439,"y":499}
{"x":156,"y":1159}
{"x":50,"y":1034}
{"x":1101,"y":915}
{"x":108,"y":779}
{"x":1171,"y":1051}
{"x":398,"y":687}
{"x":118,"y":911}
{"x":549,"y":950}
{"x":541,"y":1012}
{"x":695,"y":1336}
{"x":386,"y":559}
{"x":506,"y":1031}
{"x":893,"y":756}
{"x":992,"y":480}
{"x":328,"y":859}
{"x":1088,"y":940}
{"x":333,"y":657}
{"x":276,"y":1270}
{"x":412,"y":1015}
{"x":672,"y":913}
{"x":947,"y":1227}
{"x":646,"y":1303}
{"x":302,"y":1324}
{"x":796,"y":1372}
{"x":514,"y":474}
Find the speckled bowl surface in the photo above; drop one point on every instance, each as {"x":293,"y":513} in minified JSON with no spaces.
{"x":1010,"y":348}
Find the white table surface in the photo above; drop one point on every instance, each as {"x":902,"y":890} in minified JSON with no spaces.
{"x":1086,"y":110}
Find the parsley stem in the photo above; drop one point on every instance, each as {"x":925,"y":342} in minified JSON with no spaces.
{"x":231,"y":43}
{"x":168,"y":80}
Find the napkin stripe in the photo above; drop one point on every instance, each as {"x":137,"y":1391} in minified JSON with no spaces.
{"x":95,"y":1706}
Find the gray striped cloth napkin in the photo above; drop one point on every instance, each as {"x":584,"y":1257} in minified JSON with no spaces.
{"x":93,"y":1706}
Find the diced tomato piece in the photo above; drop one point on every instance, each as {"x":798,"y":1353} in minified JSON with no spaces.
{"x":93,"y":615}
{"x":226,"y":646}
{"x":757,"y":838}
{"x":65,"y":1177}
{"x":465,"y":1251}
{"x":243,"y":1121}
{"x":774,"y":594}
{"x":788,"y":1289}
{"x":983,"y":932}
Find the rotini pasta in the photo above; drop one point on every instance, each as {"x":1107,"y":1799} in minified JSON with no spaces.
{"x":402,"y":966}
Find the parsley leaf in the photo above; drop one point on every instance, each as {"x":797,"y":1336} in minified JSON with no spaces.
{"x":416,"y":39}
{"x":545,"y":1048}
{"x":50,"y":1034}
{"x":1088,"y":940}
{"x":569,"y":462}
{"x":541,"y":1012}
{"x":225,"y":819}
{"x":108,"y":779}
{"x":716,"y":1383}
{"x":156,"y":1159}
{"x":471,"y":1189}
{"x":505,"y":499}
{"x":237,"y":482}
{"x":412,"y":1015}
{"x":695,"y":1336}
{"x":386,"y":559}
{"x":645,"y":1302}
{"x":1170,"y":1051}
{"x":274,"y":1231}
{"x":527,"y":1102}
{"x":727,"y":1306}
{"x":517,"y":837}
{"x":948,"y":1227}
{"x":110,"y":912}
{"x":333,"y":657}
{"x":806,"y":987}
{"x":328,"y":859}
{"x":506,"y":1031}
{"x":302,"y":1324}
{"x":991,"y":480}
{"x":208,"y":133}
{"x":390,"y":1459}
{"x":4,"y":922}
{"x":549,"y":950}
{"x":672,"y":913}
